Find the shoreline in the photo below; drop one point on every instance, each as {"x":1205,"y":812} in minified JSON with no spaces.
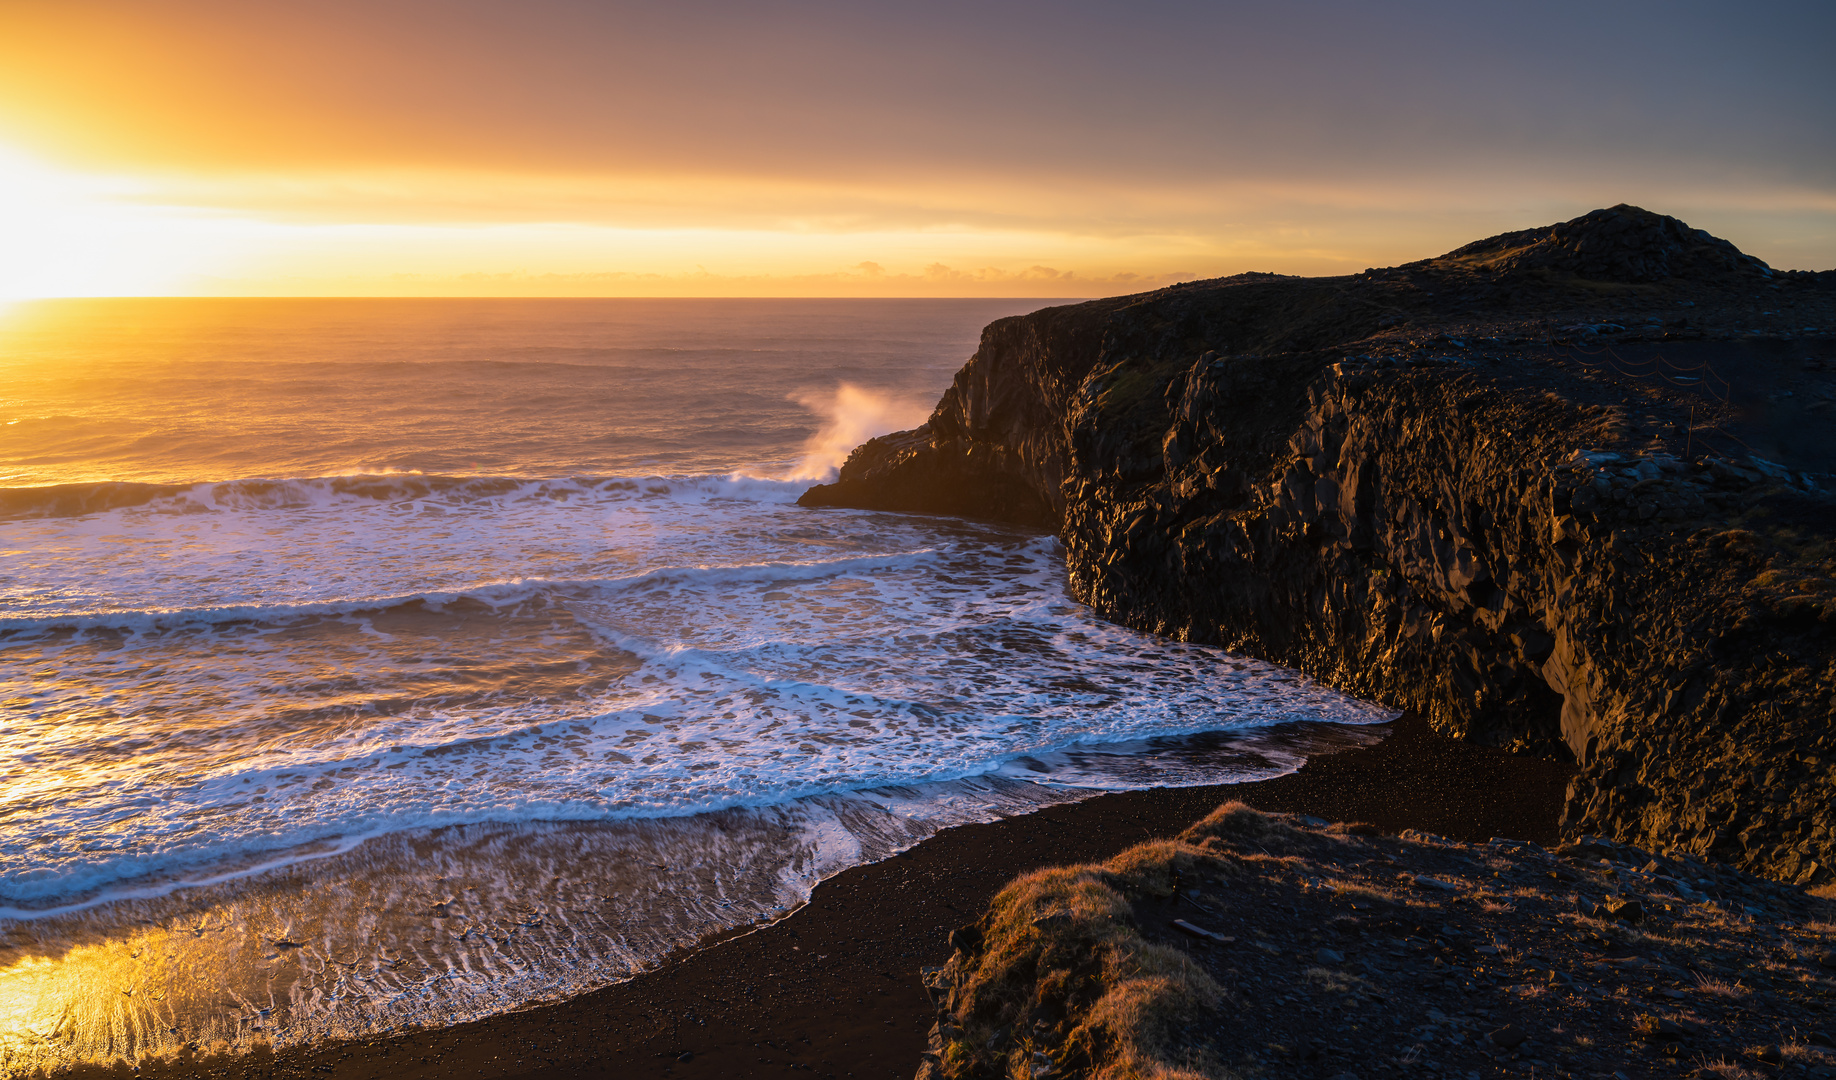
{"x":833,"y":988}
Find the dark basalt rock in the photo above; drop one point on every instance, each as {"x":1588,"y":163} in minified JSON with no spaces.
{"x":906,"y":471}
{"x":1561,"y":490}
{"x":1621,"y":244}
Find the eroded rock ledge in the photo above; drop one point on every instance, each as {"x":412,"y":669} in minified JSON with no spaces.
{"x":1563,"y":490}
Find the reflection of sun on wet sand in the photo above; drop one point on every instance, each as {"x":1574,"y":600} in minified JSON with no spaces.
{"x":432,"y":928}
{"x":407,"y":929}
{"x":29,"y":997}
{"x":842,"y":972}
{"x":117,"y":997}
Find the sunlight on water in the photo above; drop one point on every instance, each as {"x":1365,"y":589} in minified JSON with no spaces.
{"x":311,"y":734}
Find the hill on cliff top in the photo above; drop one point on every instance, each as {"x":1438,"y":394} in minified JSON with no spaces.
{"x":1622,"y":243}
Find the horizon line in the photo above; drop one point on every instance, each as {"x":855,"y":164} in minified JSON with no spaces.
{"x":461,"y":296}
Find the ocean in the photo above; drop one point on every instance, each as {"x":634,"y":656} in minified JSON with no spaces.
{"x":376,"y":663}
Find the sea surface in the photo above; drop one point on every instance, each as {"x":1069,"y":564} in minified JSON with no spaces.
{"x":370,"y":663}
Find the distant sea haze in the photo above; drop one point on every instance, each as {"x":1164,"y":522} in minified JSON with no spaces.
{"x":381,"y":662}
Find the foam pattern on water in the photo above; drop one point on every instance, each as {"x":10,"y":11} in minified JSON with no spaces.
{"x":435,"y":927}
{"x":240,"y":712}
{"x":314,"y":670}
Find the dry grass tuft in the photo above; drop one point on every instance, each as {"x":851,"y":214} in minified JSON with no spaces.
{"x":1150,"y":867}
{"x":1367,"y":891}
{"x":1720,"y":987}
{"x":1803,"y":1053}
{"x":1238,"y":825}
{"x":1062,"y":981}
{"x":1729,"y":1070}
{"x":1331,"y":981}
{"x":1606,"y":928}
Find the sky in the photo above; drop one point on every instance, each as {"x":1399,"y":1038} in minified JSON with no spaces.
{"x":552,"y":147}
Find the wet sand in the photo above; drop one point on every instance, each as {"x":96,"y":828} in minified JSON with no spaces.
{"x":832,"y":990}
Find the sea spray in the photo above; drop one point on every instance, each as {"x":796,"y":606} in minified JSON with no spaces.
{"x":851,"y":416}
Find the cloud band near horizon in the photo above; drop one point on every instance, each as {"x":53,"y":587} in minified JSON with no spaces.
{"x":343,"y":146}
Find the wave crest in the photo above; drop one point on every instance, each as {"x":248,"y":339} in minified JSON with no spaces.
{"x":324,"y":492}
{"x":493,"y":595}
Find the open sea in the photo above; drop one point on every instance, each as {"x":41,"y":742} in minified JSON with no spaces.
{"x":371,"y":663}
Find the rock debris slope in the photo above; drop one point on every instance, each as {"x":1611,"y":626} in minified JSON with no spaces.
{"x":1258,"y":945}
{"x":1564,"y":490}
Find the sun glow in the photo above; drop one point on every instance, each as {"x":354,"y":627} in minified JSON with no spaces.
{"x":76,"y":234}
{"x":72,"y":234}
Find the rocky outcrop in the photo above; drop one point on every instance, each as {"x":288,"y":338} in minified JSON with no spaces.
{"x":1552,"y":490}
{"x":1263,"y":945}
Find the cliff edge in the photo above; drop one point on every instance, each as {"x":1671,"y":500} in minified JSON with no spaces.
{"x":1564,"y":490}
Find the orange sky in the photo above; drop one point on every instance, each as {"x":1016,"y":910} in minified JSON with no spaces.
{"x":576,"y":148}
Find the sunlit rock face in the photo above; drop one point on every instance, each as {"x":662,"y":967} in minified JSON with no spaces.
{"x":1565,"y":490}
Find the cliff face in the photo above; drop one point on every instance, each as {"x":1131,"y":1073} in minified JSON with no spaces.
{"x":1551,"y":490}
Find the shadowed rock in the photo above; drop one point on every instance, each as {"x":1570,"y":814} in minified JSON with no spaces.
{"x":1622,"y":244}
{"x":1562,"y":490}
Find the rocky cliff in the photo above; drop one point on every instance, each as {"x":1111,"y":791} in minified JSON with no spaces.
{"x":1562,"y":490}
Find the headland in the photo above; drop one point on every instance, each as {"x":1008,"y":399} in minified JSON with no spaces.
{"x":1565,"y":491}
{"x":1560,"y":495}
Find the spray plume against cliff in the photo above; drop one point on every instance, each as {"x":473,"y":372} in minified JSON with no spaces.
{"x":851,"y":415}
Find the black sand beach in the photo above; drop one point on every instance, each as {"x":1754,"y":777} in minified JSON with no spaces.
{"x":833,"y":989}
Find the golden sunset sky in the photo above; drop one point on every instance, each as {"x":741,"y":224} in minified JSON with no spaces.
{"x":207,"y":147}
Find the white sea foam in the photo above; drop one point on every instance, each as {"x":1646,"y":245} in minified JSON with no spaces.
{"x":497,"y":594}
{"x":471,"y":920}
{"x":237,"y":717}
{"x":660,"y":693}
{"x":407,"y":491}
{"x":860,"y":650}
{"x":589,"y":717}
